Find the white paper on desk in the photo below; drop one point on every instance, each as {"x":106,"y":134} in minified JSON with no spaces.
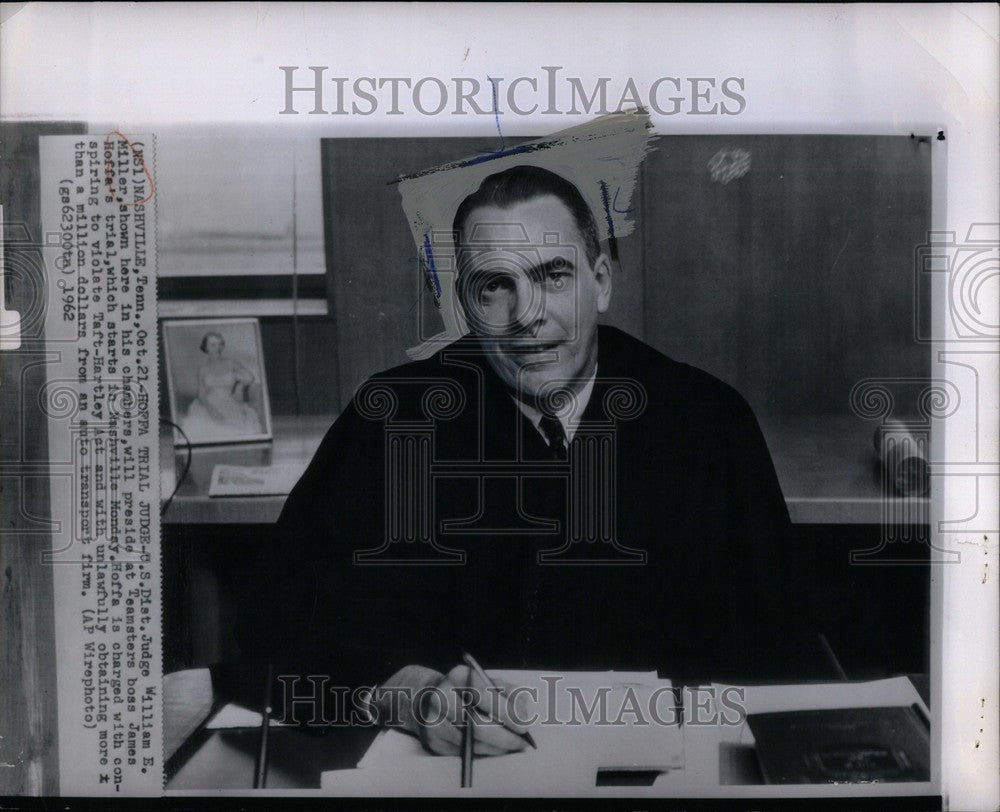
{"x":568,"y":756}
{"x":236,"y":716}
{"x":249,"y":480}
{"x":894,"y":691}
{"x":187,"y":701}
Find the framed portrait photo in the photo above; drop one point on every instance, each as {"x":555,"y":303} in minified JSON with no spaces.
{"x":216,"y":383}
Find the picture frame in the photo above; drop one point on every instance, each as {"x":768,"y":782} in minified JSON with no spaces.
{"x":216,"y":381}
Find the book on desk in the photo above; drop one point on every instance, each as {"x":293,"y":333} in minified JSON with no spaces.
{"x":838,"y":745}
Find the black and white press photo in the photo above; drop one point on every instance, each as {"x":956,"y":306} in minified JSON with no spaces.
{"x":516,"y":406}
{"x":576,"y":426}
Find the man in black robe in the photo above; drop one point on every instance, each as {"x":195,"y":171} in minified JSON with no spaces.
{"x":544,"y":492}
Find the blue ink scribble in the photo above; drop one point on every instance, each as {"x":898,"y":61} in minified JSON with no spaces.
{"x":523,"y":149}
{"x":430,"y":266}
{"x":503,"y":152}
{"x":607,"y":210}
{"x":614,"y":204}
{"x":496,"y":112}
{"x":492,"y":156}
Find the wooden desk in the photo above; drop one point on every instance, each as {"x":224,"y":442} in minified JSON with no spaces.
{"x":200,"y":759}
{"x":827,"y":468}
{"x":224,"y":759}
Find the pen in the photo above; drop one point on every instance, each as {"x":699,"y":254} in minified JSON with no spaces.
{"x":467,"y":743}
{"x":260,"y":773}
{"x":471,"y":662}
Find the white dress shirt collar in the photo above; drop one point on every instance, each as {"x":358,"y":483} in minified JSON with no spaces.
{"x":570,"y":416}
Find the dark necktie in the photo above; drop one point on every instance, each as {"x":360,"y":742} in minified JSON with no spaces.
{"x":555,"y":436}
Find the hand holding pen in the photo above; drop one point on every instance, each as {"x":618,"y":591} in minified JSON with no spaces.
{"x":471,"y":714}
{"x":498,"y":713}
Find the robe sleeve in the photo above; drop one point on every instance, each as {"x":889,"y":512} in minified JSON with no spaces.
{"x":313,"y":610}
{"x":772,"y":634}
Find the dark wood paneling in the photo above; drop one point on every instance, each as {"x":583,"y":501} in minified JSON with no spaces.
{"x":795,"y":281}
{"x":319,"y":391}
{"x":28,"y":746}
{"x":372,"y":261}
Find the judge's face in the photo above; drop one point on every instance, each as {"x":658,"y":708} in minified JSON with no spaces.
{"x":532,"y":295}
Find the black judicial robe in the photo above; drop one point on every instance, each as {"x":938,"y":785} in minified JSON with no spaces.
{"x":433,"y":520}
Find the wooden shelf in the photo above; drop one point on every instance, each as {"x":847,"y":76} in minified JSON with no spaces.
{"x":826,"y":465}
{"x":229,"y":308}
{"x":829,"y":471}
{"x":295,"y":442}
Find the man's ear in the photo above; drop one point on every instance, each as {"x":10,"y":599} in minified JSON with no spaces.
{"x":602,"y":276}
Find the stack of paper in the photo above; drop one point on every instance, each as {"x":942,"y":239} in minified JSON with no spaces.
{"x":585,"y":722}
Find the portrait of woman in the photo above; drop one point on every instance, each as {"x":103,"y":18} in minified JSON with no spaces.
{"x":216,"y":381}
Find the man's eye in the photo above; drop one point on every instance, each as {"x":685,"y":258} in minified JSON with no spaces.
{"x":558,"y":279}
{"x":496,"y":283}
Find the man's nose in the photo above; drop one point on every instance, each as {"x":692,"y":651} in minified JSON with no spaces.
{"x":527,"y":305}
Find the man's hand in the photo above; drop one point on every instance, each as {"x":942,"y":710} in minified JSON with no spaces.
{"x":497,"y":718}
{"x":439,"y":704}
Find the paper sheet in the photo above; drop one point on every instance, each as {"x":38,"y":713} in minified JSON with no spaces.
{"x":568,"y":755}
{"x":820,"y":696}
{"x":236,"y":716}
{"x":249,"y":480}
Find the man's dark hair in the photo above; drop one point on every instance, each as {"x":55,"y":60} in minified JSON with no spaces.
{"x":522,"y":183}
